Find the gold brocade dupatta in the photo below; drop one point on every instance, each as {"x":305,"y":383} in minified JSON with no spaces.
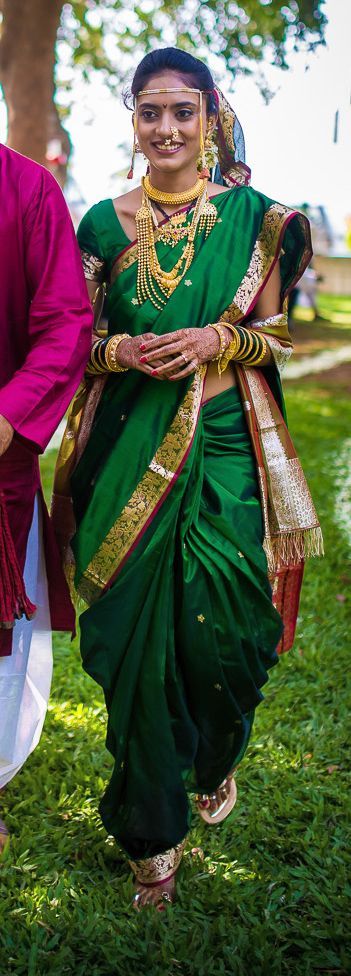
{"x":291,"y":529}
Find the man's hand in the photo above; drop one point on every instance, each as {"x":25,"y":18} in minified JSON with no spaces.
{"x":6,"y":434}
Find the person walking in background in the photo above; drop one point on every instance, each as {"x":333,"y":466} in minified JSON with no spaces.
{"x":45,"y":327}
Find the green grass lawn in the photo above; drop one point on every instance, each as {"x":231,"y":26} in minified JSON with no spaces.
{"x":272,"y":893}
{"x":334,"y":308}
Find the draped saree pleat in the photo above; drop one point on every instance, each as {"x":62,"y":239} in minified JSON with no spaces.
{"x":182,"y":641}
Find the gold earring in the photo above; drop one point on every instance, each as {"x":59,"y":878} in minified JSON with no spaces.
{"x":204,"y":173}
{"x":136,"y":148}
{"x":211,"y":151}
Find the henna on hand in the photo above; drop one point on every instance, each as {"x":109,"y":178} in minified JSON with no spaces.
{"x":185,"y":349}
{"x":128,"y":354}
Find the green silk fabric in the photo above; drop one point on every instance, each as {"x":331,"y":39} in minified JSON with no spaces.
{"x":180,"y":691}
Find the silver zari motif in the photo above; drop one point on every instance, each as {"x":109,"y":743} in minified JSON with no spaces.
{"x":93,"y":267}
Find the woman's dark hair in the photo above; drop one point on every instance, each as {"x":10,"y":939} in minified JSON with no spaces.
{"x":173,"y":59}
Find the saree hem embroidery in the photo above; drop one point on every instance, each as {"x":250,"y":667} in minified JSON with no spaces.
{"x":153,"y":870}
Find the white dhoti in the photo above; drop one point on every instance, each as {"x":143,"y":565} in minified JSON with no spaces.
{"x":25,"y":676}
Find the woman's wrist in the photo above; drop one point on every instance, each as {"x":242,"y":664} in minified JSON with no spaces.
{"x":246,"y":347}
{"x":104,"y":355}
{"x":111,"y":353}
{"x":224,"y":337}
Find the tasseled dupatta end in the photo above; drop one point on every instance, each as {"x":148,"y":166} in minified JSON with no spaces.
{"x":14,"y":602}
{"x":286,"y":555}
{"x":292,"y":548}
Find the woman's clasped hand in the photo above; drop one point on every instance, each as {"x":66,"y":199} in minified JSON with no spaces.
{"x":172,"y":356}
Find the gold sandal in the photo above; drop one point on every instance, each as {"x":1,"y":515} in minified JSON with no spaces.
{"x":204,"y":800}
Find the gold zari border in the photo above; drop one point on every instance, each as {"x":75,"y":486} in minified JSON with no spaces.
{"x":93,"y":267}
{"x":292,"y":529}
{"x":155,"y":869}
{"x":147,"y":495}
{"x":262,"y":258}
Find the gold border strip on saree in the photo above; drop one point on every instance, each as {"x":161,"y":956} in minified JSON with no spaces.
{"x":149,"y":494}
{"x":264,"y":256}
{"x":153,"y":870}
{"x":292,"y":531}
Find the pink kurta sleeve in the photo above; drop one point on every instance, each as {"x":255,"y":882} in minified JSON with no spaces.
{"x":59,"y":325}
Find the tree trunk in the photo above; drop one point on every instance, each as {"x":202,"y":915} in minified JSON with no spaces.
{"x":27,"y":62}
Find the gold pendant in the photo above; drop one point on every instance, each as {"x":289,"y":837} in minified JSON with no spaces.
{"x":177,"y":219}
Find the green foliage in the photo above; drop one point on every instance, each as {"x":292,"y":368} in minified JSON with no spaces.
{"x":271,"y":896}
{"x":107,"y":34}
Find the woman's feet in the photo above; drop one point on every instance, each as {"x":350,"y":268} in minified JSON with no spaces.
{"x":215,"y":807}
{"x":154,"y":878}
{"x":159,"y":894}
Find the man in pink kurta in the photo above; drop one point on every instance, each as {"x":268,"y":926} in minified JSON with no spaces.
{"x":45,"y":332}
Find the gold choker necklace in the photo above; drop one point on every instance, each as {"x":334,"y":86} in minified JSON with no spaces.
{"x":172,"y":199}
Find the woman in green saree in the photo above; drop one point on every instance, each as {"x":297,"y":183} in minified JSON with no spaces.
{"x":187,"y":493}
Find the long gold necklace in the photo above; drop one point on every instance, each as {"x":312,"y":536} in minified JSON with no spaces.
{"x":172,"y":199}
{"x":153,"y":282}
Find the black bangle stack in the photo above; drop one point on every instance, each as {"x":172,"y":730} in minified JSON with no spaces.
{"x":97,"y":362}
{"x":246,"y":346}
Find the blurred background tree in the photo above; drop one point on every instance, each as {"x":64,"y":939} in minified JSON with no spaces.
{"x":43,"y":41}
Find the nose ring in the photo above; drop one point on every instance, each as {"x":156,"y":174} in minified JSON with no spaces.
{"x":175,"y":133}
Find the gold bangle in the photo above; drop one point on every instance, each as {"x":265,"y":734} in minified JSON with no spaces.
{"x":227,"y":325}
{"x":99,"y":355}
{"x":255,"y":360}
{"x":94,"y":365}
{"x":230,"y":353}
{"x":247,"y":348}
{"x":222,"y":340}
{"x":244,"y":340}
{"x":111,"y":353}
{"x":254,"y":349}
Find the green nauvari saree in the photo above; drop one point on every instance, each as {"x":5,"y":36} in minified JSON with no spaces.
{"x":178,"y":504}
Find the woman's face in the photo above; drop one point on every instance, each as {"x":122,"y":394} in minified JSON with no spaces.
{"x":168,"y":124}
